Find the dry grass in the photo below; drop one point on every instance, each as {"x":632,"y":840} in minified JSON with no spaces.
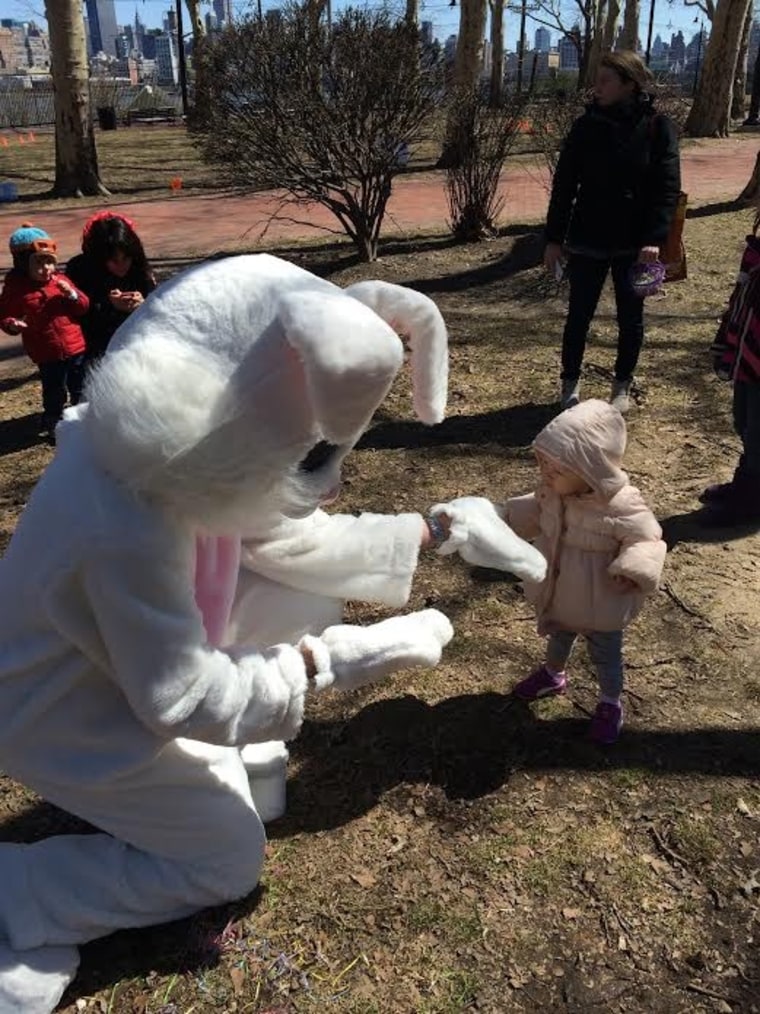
{"x":140,"y":162}
{"x":446,"y":849}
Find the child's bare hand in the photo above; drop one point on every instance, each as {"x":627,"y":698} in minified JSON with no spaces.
{"x":15,"y":326}
{"x":624,"y":584}
{"x":66,"y":289}
{"x":125,"y":302}
{"x":120,"y":301}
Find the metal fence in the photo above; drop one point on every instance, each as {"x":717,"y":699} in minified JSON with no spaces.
{"x":21,"y":108}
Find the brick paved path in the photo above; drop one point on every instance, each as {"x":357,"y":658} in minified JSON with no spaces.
{"x":713,"y":171}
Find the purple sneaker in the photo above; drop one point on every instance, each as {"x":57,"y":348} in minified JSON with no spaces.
{"x":607,"y":723}
{"x":540,"y":683}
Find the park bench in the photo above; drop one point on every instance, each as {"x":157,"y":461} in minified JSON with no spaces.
{"x":151,"y":114}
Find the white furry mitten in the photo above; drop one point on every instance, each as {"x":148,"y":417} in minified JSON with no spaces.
{"x":348,"y":657}
{"x":483,"y":539}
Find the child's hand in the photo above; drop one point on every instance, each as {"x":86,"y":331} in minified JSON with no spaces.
{"x":120,"y":301}
{"x":66,"y":290}
{"x":624,"y":584}
{"x":15,"y":326}
{"x":125,"y":302}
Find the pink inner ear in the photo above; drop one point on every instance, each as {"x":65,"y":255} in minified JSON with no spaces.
{"x":217,"y":560}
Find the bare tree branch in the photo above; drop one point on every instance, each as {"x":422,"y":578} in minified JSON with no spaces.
{"x":326,"y":116}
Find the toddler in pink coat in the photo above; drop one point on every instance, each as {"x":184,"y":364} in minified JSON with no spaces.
{"x":604,"y":553}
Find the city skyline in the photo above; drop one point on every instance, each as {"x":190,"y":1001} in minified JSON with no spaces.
{"x":445,"y":19}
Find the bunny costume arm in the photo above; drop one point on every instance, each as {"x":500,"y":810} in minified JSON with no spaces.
{"x":484,"y":539}
{"x":370,"y":558}
{"x":194,"y":691}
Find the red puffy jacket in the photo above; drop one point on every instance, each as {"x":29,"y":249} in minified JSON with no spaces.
{"x":53,"y":331}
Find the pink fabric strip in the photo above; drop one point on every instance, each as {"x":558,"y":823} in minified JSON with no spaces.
{"x":217,"y":559}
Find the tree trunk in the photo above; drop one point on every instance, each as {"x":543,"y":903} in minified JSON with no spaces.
{"x":469,"y":54}
{"x":710,"y":115}
{"x":629,"y":36}
{"x":467,"y":65}
{"x":76,"y":159}
{"x":610,"y":25}
{"x":412,"y":12}
{"x":496,"y":89}
{"x":597,"y":40}
{"x":739,"y":96}
{"x":587,"y":36}
{"x":196,"y":20}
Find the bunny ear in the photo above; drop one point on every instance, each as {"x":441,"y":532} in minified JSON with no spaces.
{"x":416,"y":316}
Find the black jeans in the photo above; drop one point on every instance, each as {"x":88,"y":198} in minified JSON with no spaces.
{"x":58,"y":378}
{"x":586,"y":276}
{"x":747,"y":425}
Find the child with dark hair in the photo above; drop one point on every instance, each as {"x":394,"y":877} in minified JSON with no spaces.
{"x":44,"y":308}
{"x":614,"y":196}
{"x":114,"y":272}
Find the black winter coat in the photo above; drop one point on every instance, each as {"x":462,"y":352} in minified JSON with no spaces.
{"x":102,"y":319}
{"x":617,"y":180}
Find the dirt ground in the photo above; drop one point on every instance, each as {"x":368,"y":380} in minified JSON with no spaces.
{"x":445,"y":848}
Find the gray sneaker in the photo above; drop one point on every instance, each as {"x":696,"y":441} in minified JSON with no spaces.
{"x":620,"y":395}
{"x":570,"y":395}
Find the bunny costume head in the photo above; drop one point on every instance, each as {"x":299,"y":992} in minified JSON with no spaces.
{"x":237,"y":391}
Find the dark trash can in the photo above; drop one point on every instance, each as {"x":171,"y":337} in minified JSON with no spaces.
{"x":106,"y":117}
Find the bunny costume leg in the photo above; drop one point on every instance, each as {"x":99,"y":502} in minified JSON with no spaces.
{"x":182,"y":835}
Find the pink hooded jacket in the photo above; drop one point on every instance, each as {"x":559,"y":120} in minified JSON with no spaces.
{"x":589,"y":538}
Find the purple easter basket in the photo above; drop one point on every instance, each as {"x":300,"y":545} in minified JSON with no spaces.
{"x":647,"y":279}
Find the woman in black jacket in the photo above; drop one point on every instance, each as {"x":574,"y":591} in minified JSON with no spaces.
{"x":613,"y":198}
{"x":114,"y":273}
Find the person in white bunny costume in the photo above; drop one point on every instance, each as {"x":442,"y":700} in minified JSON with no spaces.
{"x":221,"y":414}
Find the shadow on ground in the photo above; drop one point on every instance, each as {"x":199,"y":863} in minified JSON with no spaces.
{"x":699,"y":526}
{"x":19,"y":434}
{"x":470,"y":746}
{"x":515,"y":426}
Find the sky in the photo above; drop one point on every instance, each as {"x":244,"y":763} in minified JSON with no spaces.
{"x":669,"y":16}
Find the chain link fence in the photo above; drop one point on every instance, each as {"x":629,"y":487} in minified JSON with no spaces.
{"x":22,"y":107}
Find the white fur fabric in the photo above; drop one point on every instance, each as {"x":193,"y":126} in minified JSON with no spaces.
{"x":361,"y":655}
{"x":214,"y":389}
{"x":483,"y":539}
{"x":412,"y":314}
{"x":32,"y":982}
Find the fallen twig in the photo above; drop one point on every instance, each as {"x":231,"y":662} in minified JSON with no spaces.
{"x":676,"y":598}
{"x":665,"y":848}
{"x":694,"y":987}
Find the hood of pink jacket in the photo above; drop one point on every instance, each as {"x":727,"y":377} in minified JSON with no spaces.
{"x":589,"y":440}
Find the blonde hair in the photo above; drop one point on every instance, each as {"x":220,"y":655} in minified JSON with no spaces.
{"x":629,"y":67}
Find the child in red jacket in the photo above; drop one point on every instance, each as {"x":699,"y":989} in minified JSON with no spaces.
{"x":44,"y":308}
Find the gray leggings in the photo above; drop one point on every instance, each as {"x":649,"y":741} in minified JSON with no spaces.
{"x":606,"y":651}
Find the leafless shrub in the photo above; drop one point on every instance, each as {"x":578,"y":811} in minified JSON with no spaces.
{"x":552,"y":115}
{"x":480,"y":138}
{"x":329,"y":116}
